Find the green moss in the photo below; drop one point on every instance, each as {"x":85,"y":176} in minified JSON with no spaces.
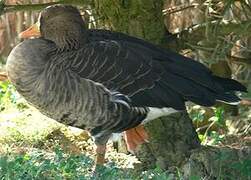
{"x":138,"y":18}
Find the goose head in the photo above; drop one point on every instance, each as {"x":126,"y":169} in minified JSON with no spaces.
{"x":61,"y":24}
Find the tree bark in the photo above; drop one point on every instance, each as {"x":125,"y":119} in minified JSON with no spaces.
{"x":171,"y":140}
{"x":218,"y":163}
{"x":139,"y":18}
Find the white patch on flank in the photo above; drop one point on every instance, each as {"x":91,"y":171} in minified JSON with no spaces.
{"x":155,"y":113}
{"x":231,"y":103}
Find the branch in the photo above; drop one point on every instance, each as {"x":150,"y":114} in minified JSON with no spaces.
{"x":3,"y":76}
{"x":240,"y":60}
{"x":176,"y":9}
{"x":220,"y":29}
{"x":196,"y":33}
{"x":24,"y":7}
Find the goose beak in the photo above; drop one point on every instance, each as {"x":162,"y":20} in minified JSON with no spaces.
{"x":32,"y":31}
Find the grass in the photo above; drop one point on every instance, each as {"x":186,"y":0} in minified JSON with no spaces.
{"x":40,"y":165}
{"x":58,"y":165}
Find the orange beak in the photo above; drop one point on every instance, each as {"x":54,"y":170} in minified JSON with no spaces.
{"x":32,"y":31}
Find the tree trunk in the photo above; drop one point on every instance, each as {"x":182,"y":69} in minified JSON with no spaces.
{"x":218,"y":163}
{"x":171,"y":140}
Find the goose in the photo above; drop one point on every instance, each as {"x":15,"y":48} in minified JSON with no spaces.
{"x":107,"y":82}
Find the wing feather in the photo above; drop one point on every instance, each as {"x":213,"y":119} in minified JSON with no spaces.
{"x":118,"y":68}
{"x":148,"y":75}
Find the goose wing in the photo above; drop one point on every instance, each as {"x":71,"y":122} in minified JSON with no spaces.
{"x":151,"y":76}
{"x":126,"y":71}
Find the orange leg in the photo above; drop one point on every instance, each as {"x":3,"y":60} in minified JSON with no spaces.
{"x":135,"y":137}
{"x":100,"y":155}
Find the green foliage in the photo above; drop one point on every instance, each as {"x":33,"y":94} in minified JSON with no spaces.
{"x":155,"y":174}
{"x":2,"y":5}
{"x":197,"y":114}
{"x":217,"y":121}
{"x":58,"y":165}
{"x":39,"y":165}
{"x":248,"y":94}
{"x":214,"y":138}
{"x":219,"y":117}
{"x":9,"y":97}
{"x":240,"y":167}
{"x":194,"y":178}
{"x":244,"y":167}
